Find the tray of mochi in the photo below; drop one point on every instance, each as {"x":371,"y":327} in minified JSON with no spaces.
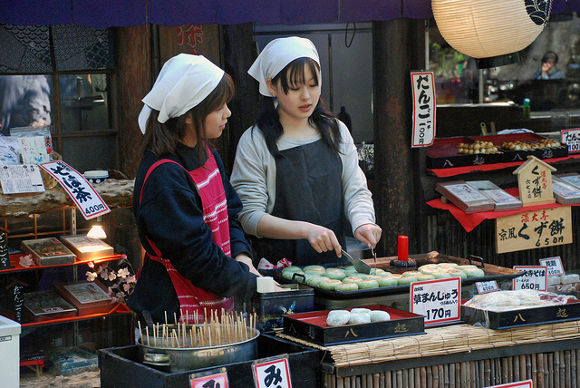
{"x":368,"y":323}
{"x":385,"y":278}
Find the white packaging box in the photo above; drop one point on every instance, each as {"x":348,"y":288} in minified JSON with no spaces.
{"x":10,"y":351}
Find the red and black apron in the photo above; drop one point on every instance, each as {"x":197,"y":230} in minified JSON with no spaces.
{"x":308,"y":188}
{"x":192,"y":299}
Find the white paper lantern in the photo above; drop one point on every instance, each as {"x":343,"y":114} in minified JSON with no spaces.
{"x":490,"y":28}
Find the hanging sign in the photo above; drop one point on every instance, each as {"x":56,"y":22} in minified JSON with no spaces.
{"x":534,"y":229}
{"x":272,"y":372}
{"x":571,"y":137}
{"x":554,"y":265}
{"x":21,"y":178}
{"x":517,"y":384}
{"x":87,"y":200}
{"x":437,"y":300}
{"x":486,"y":287}
{"x":214,"y":378}
{"x":423,"y":90}
{"x":534,"y":278}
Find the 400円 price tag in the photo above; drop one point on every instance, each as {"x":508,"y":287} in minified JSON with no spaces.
{"x":438,"y":300}
{"x":87,"y":200}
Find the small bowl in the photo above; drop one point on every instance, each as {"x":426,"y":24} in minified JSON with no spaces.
{"x":96,"y":176}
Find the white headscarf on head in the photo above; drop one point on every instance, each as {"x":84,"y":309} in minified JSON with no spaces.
{"x":277,"y":55}
{"x":184,"y":81}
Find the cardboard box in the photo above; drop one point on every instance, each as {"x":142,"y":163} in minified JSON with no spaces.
{"x":10,"y":351}
{"x":48,"y":251}
{"x":86,"y":248}
{"x":565,"y":192}
{"x":87,"y":297}
{"x":501,"y":199}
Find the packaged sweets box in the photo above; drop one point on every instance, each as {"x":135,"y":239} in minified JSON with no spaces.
{"x":48,"y":251}
{"x":86,"y":248}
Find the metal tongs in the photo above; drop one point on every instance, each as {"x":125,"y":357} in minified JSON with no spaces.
{"x":358,"y":264}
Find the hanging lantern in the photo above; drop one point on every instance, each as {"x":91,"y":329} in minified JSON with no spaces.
{"x":491,"y":31}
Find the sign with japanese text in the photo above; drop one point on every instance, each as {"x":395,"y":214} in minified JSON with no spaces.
{"x":272,"y":372}
{"x":534,"y":278}
{"x":554,"y":265}
{"x":486,"y":287}
{"x":215,"y":378}
{"x":21,"y":178}
{"x":87,"y":200}
{"x":438,"y":300}
{"x":534,"y":229}
{"x":535,"y":182}
{"x":571,"y":137}
{"x":517,"y":384}
{"x":423,"y":89}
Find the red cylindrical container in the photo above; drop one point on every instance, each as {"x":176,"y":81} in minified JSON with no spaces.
{"x":403,"y":248}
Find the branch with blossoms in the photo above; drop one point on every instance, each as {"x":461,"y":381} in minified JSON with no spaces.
{"x":118,"y":277}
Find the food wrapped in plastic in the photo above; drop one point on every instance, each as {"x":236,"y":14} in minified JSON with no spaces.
{"x":508,"y":300}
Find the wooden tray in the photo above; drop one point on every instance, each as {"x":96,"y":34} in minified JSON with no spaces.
{"x":312,"y":327}
{"x":491,"y":272}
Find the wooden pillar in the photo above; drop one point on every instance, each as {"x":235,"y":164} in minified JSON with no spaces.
{"x":240,"y":51}
{"x":398,"y":48}
{"x":133,"y":80}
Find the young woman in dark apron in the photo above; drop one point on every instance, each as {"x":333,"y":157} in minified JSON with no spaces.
{"x":197,"y":258}
{"x":296,"y":170}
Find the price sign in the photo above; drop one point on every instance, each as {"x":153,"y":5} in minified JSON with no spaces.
{"x":273,"y":372}
{"x":215,"y":378}
{"x":534,"y":278}
{"x":437,"y":300}
{"x":87,"y":200}
{"x":554,"y":265}
{"x":486,"y":287}
{"x":571,"y":137}
{"x":423,"y":89}
{"x":517,"y":384}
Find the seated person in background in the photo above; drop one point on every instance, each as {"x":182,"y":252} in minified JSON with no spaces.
{"x":549,"y":69}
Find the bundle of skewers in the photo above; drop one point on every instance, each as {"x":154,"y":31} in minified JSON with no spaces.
{"x":216,"y":329}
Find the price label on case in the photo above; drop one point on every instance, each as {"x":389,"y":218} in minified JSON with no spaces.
{"x":486,"y":287}
{"x":438,"y":300}
{"x":534,"y":278}
{"x":571,"y":137}
{"x":554,"y":265}
{"x":215,"y":378}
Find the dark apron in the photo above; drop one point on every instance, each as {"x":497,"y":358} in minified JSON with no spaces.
{"x":308,"y":188}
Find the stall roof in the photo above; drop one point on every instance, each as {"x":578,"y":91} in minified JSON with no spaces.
{"x":124,"y":13}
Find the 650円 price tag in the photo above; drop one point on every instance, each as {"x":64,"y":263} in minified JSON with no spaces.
{"x":534,"y":277}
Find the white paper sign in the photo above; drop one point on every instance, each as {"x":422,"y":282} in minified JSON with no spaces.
{"x":87,"y":200}
{"x":33,"y":150}
{"x":534,"y":278}
{"x":571,"y":137}
{"x":554,"y":265}
{"x":438,"y":300}
{"x":22,"y":178}
{"x":209,"y":379}
{"x":517,"y":384}
{"x":269,"y":373}
{"x":486,"y":287}
{"x":423,"y":89}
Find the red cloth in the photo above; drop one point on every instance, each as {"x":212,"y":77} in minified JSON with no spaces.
{"x":447,"y":172}
{"x":470,"y":221}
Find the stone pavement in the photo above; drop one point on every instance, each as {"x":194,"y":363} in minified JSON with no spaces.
{"x":85,"y":379}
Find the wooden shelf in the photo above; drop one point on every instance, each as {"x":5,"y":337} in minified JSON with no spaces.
{"x":15,"y":262}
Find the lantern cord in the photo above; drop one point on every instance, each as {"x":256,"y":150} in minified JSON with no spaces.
{"x":349,"y":43}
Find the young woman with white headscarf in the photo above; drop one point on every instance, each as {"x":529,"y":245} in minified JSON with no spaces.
{"x":296,"y":170}
{"x":185,"y":207}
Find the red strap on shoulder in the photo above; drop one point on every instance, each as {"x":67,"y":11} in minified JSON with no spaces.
{"x":153,"y":167}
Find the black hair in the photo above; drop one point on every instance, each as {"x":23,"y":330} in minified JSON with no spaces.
{"x":550,"y":55}
{"x":269,"y":121}
{"x":162,"y":138}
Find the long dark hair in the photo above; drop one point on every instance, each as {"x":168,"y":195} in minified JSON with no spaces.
{"x":324,"y":121}
{"x":162,"y":138}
